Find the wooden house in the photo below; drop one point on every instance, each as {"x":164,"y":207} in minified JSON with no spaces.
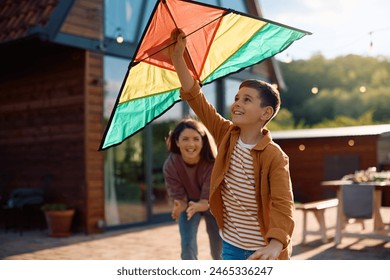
{"x":52,"y":91}
{"x":330,"y":153}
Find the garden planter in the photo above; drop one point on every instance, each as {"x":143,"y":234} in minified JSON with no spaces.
{"x":59,"y":222}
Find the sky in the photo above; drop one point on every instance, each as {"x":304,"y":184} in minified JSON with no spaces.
{"x":338,"y":27}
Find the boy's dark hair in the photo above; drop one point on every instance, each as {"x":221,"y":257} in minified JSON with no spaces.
{"x":209,"y":150}
{"x":268,"y":94}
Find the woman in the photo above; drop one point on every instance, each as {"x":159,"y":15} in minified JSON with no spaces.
{"x":187,"y":172}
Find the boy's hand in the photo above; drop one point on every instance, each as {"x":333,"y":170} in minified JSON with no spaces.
{"x":176,"y":51}
{"x":269,"y":252}
{"x":193,"y":207}
{"x":180,"y":58}
{"x":178,"y":207}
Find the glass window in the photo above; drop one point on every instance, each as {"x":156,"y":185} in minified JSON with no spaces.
{"x":231,"y":90}
{"x":235,"y":5}
{"x":114,"y":72}
{"x":129,"y":17}
{"x":125,"y":189}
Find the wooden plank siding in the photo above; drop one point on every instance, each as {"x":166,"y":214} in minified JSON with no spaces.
{"x":94,"y":166}
{"x":51,"y":106}
{"x":51,"y":109}
{"x":85,"y":19}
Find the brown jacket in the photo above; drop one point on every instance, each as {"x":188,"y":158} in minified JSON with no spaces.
{"x":272,"y":176}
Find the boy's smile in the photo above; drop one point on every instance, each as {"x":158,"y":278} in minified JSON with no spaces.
{"x":246,"y":109}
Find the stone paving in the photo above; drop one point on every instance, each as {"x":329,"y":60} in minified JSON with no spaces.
{"x":161,"y":242}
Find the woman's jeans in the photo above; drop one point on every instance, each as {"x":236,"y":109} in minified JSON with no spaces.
{"x":188,"y":233}
{"x":231,"y":252}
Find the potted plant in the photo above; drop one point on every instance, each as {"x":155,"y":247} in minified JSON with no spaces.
{"x":59,"y":219}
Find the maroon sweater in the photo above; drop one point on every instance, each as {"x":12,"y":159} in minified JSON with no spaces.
{"x":187,"y":181}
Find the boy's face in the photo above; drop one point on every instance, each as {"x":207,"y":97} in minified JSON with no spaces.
{"x":246,"y":109}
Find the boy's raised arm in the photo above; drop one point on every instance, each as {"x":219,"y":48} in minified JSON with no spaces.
{"x":177,"y":52}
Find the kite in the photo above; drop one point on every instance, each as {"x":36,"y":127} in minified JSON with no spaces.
{"x":220,"y":42}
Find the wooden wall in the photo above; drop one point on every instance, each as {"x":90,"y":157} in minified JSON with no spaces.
{"x":94,"y":159}
{"x":51,"y":102}
{"x":85,"y":19}
{"x":51,"y":123}
{"x":327,"y":159}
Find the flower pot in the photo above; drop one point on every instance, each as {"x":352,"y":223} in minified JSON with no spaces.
{"x":59,"y":222}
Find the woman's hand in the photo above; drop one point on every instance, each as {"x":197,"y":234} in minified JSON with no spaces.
{"x":178,"y":207}
{"x":193,"y":207}
{"x":269,"y":252}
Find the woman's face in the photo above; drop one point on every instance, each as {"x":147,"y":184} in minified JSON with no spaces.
{"x":190,"y":144}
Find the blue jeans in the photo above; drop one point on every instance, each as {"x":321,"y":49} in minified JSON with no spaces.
{"x":231,"y":252}
{"x":188,"y":232}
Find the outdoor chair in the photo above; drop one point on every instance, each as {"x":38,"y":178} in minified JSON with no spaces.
{"x":358,"y":204}
{"x":21,"y":206}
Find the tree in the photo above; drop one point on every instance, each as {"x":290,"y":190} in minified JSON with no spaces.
{"x":282,"y":121}
{"x":349,"y":86}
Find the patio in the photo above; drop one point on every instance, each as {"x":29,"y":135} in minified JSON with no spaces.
{"x":161,"y":242}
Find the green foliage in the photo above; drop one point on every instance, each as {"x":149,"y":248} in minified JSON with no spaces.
{"x":341,"y":121}
{"x":160,"y":133}
{"x":352,"y":89}
{"x":282,"y":121}
{"x":128,"y":191}
{"x":54,"y":207}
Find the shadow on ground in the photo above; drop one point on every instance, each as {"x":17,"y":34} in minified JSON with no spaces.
{"x":349,"y":249}
{"x":162,"y":242}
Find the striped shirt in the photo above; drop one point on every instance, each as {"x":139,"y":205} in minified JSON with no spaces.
{"x":241,"y":225}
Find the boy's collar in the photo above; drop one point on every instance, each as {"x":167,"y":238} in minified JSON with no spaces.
{"x":265,"y":140}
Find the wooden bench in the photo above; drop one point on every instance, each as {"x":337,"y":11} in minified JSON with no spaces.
{"x":318,"y":209}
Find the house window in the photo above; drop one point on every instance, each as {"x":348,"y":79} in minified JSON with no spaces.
{"x":129,"y":17}
{"x":125,"y":201}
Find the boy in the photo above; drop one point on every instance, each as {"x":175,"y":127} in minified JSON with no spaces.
{"x":250,"y":189}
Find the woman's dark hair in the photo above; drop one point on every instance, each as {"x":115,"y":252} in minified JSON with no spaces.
{"x":209,"y":150}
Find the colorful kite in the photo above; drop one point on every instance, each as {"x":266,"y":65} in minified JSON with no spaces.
{"x":219,"y":42}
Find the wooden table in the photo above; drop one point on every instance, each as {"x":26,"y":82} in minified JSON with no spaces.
{"x":379,"y":231}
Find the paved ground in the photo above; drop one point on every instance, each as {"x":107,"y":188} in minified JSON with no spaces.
{"x":161,"y":242}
